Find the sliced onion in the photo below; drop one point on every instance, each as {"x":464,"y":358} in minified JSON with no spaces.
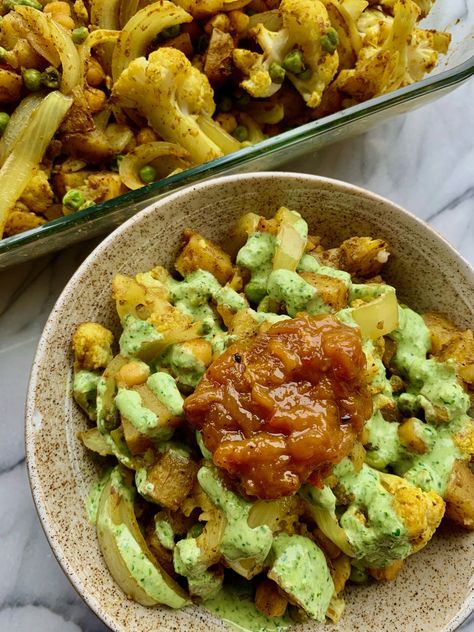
{"x":350,"y":22}
{"x":17,"y":123}
{"x":105,"y":13}
{"x":271,"y":20}
{"x":379,"y":317}
{"x":115,"y":514}
{"x":290,"y":244}
{"x":128,"y":8}
{"x":141,"y":29}
{"x":28,"y":150}
{"x":164,"y":157}
{"x":118,"y":136}
{"x":53,"y":42}
{"x":101,"y":36}
{"x":218,"y":135}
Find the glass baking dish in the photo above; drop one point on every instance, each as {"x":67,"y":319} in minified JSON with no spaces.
{"x":452,"y":15}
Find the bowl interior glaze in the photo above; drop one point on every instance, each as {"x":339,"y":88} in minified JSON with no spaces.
{"x":432,"y":592}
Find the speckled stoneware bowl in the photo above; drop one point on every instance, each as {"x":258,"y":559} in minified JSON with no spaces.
{"x":433,"y":593}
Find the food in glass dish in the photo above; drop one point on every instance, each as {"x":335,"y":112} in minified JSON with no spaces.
{"x":98,"y":98}
{"x":276,"y":425}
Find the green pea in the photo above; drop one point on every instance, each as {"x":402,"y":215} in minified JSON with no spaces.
{"x":306,"y":74}
{"x":73,"y":199}
{"x":294,"y":62}
{"x":3,"y":52}
{"x":202,"y":44}
{"x":80,"y":34}
{"x":330,"y":40}
{"x":171,"y":31}
{"x":32,"y":79}
{"x":147,"y":174}
{"x":50,"y":77}
{"x":277,"y":73}
{"x":243,"y":100}
{"x":225,"y":104}
{"x":4,"y":118}
{"x":241,"y":133}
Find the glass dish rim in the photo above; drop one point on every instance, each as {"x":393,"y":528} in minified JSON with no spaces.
{"x":218,"y":166}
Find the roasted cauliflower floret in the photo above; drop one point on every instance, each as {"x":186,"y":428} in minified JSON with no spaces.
{"x":420,"y":511}
{"x":394,"y":53}
{"x":91,"y":344}
{"x":304,"y":49}
{"x":177,"y":100}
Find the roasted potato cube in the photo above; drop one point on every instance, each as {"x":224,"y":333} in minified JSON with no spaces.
{"x":151,"y":401}
{"x":64,"y":180}
{"x":441,"y":329}
{"x":331,"y":290}
{"x":19,"y":220}
{"x":38,"y":195}
{"x":269,"y":599}
{"x":409,"y":437}
{"x":243,"y":325}
{"x":91,"y":344}
{"x":201,"y":254}
{"x":363,"y":256}
{"x":103,"y":185}
{"x":218,"y":61}
{"x":10,"y":86}
{"x":461,"y":350}
{"x":388,"y":573}
{"x":138,"y":300}
{"x":172,"y":477}
{"x":137,"y":442}
{"x":459,"y":495}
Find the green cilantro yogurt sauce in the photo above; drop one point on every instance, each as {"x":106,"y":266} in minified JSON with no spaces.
{"x":236,"y":607}
{"x":432,"y":393}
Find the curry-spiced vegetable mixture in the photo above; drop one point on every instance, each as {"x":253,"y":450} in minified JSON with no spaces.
{"x":99,"y":97}
{"x":275,"y":424}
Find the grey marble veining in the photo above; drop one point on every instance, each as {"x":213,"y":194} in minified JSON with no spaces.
{"x":423,"y":161}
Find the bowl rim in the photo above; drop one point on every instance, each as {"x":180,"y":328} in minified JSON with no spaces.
{"x":467,"y":607}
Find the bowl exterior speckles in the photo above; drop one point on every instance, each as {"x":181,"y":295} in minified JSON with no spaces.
{"x":432,"y":593}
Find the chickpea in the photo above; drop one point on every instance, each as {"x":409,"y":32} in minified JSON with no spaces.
{"x":95,"y":74}
{"x":57,"y":7}
{"x":60,"y":13}
{"x":132,"y":374}
{"x":96,"y":99}
{"x":238,"y":21}
{"x":227,"y":121}
{"x":146,"y":135}
{"x":65,"y":21}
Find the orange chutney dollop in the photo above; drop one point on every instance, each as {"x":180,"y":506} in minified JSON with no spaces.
{"x":283,"y":406}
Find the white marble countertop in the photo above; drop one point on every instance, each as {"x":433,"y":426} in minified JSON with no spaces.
{"x":423,"y":161}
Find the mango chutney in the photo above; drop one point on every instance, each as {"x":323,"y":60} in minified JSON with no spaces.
{"x":283,"y":406}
